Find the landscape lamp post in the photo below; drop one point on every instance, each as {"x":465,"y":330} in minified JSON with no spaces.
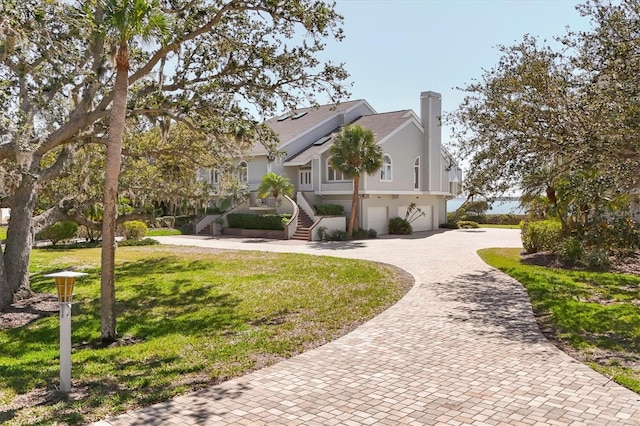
{"x":64,"y":283}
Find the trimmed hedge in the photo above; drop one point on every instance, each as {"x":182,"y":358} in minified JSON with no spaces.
{"x":449,"y":225}
{"x":138,"y":242}
{"x":543,"y":235}
{"x":135,"y":230}
{"x":252,"y":221}
{"x":399,"y":226}
{"x":468,"y":224}
{"x":491,"y":219}
{"x":59,"y":231}
{"x":329,"y":209}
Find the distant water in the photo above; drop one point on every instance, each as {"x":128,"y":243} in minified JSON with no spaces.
{"x":498,"y":207}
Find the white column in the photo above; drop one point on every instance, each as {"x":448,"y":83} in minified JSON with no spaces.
{"x":65,"y":347}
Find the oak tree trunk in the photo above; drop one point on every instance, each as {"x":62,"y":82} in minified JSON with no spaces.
{"x":6,"y":295}
{"x":112,"y":173}
{"x":14,"y":274}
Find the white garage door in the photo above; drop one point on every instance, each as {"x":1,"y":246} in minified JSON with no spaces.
{"x":422,"y":222}
{"x":378,"y":220}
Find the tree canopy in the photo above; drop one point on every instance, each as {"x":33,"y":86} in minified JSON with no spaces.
{"x":224,"y":66}
{"x":561,"y":124}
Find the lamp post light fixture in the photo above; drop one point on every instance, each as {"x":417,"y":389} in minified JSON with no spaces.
{"x":64,"y":284}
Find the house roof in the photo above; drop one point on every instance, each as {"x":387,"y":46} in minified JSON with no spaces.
{"x":296,"y":122}
{"x":381,"y":124}
{"x":384,"y":123}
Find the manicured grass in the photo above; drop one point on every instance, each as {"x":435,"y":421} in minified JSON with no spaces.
{"x":162,"y":232}
{"x":593,"y":316}
{"x":3,"y":232}
{"x":490,"y":225}
{"x":191,"y":317}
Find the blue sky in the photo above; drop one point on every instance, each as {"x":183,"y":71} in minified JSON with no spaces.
{"x":395,"y":49}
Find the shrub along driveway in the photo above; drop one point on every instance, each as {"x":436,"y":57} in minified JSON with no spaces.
{"x":462,"y":347}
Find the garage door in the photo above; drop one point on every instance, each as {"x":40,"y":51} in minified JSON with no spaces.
{"x":422,"y":222}
{"x":378,"y":220}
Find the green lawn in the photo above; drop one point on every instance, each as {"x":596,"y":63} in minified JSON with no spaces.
{"x":191,"y":318}
{"x":162,"y":232}
{"x":3,"y":232}
{"x":594,"y":316}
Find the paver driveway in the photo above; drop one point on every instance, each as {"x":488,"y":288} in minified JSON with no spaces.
{"x":461,"y":348}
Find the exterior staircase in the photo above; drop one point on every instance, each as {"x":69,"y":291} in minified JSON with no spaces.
{"x":206,"y":230}
{"x":303,"y":231}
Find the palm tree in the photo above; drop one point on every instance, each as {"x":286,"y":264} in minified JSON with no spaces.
{"x":355,"y":152}
{"x":124,"y":20}
{"x":274,"y":185}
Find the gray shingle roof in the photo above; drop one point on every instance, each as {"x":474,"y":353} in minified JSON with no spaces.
{"x":288,"y":128}
{"x":381,"y":124}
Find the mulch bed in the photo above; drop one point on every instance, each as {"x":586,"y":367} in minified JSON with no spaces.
{"x":24,"y":311}
{"x":626,"y":265}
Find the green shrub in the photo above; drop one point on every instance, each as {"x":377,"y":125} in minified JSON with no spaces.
{"x":59,"y":231}
{"x":398,"y":225}
{"x":322,"y":233}
{"x":571,"y":251}
{"x":544,"y":235}
{"x":503,"y":219}
{"x":252,"y":221}
{"x":329,"y":209}
{"x":364,"y":234}
{"x":337,"y":235}
{"x":468,"y":224}
{"x":473,"y":218}
{"x":135,"y":230}
{"x":359,"y":234}
{"x":138,"y":242}
{"x":597,"y":259}
{"x":449,"y":225}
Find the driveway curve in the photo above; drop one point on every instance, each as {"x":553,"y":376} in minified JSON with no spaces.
{"x":461,"y":348}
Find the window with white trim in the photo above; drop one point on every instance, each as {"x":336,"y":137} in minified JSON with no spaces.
{"x":416,"y":173}
{"x":334,"y":175}
{"x":243,"y":172}
{"x":385,"y":170}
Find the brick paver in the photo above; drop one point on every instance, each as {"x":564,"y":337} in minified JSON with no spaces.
{"x":461,"y":348}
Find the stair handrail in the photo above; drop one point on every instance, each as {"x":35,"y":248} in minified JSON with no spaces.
{"x":306,"y":206}
{"x":290,"y":227}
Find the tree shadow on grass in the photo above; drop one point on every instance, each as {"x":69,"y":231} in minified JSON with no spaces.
{"x":147,"y":309}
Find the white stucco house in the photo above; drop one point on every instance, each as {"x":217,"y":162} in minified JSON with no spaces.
{"x":416,"y":167}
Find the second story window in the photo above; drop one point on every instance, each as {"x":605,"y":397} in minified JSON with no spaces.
{"x":334,"y":175}
{"x":385,"y":171}
{"x":243,"y":172}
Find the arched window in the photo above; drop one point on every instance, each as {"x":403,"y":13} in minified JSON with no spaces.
{"x":416,"y":173}
{"x":243,"y":172}
{"x":385,"y":171}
